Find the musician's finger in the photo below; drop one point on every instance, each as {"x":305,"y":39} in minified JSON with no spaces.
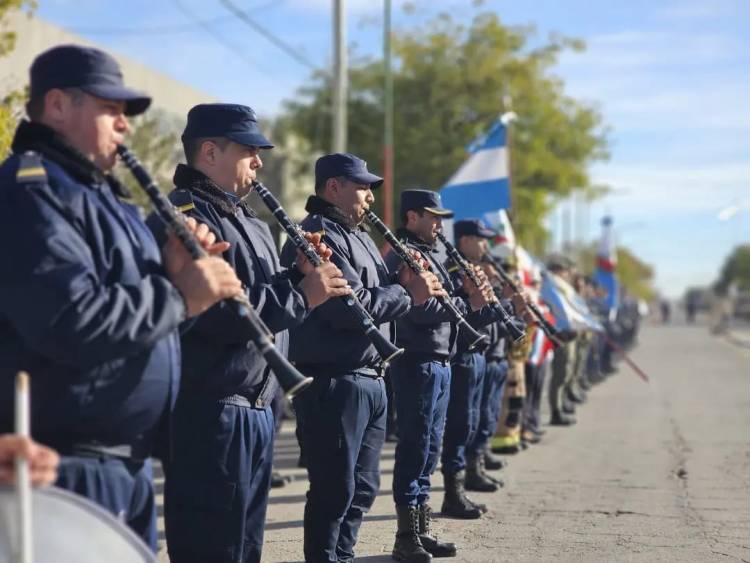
{"x":217,"y":248}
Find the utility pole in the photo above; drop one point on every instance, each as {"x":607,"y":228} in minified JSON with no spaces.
{"x":388,"y":112}
{"x":340,"y":70}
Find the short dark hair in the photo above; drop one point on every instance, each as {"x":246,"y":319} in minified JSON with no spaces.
{"x":319,"y":186}
{"x":35,"y":105}
{"x":405,"y":216}
{"x":192,"y":146}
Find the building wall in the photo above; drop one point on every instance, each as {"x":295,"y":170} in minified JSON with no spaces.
{"x":35,"y":36}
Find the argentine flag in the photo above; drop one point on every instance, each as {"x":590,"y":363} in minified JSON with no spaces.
{"x":606,"y":263}
{"x":482,"y":185}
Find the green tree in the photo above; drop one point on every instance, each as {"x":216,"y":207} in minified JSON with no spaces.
{"x":450,"y":81}
{"x":736,"y":269}
{"x":11,"y":104}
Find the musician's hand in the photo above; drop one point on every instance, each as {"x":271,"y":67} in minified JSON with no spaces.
{"x":316,"y":239}
{"x":419,"y":258}
{"x":176,"y":256}
{"x":322,"y":283}
{"x":43,"y":461}
{"x":519,"y":304}
{"x":477,"y":296}
{"x":420,"y":286}
{"x":491,"y":272}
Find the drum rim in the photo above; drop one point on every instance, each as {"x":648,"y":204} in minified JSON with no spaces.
{"x":87,"y":504}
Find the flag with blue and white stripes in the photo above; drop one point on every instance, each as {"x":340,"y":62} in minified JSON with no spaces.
{"x":482,"y":184}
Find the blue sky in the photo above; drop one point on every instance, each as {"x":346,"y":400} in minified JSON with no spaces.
{"x":672,"y":78}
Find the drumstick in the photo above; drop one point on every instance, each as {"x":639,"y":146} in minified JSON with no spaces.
{"x":23,"y":481}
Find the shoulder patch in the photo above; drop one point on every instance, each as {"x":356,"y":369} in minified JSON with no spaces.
{"x":182,"y":200}
{"x":30,"y":168}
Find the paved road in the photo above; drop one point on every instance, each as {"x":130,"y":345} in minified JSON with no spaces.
{"x":657,"y":472}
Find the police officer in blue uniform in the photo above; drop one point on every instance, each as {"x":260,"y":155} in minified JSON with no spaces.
{"x":479,"y":457}
{"x":89,"y":305}
{"x":421,"y":381}
{"x":218,"y":478}
{"x":342,"y":415}
{"x":468,"y":369}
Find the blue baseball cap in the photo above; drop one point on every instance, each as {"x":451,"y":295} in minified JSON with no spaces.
{"x":347,"y":165}
{"x":233,"y":121}
{"x":416,"y":200}
{"x":89,"y":69}
{"x":471,"y":227}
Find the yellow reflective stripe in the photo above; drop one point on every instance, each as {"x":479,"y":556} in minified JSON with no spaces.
{"x":186,"y":207}
{"x":26,"y":172}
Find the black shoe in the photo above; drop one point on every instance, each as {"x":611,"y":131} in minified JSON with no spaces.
{"x":523,"y":444}
{"x":569,"y":408}
{"x":408,"y":546}
{"x":476,"y":478}
{"x":429,"y":539}
{"x":531,"y":437}
{"x":560,"y":419}
{"x":278,"y":480}
{"x":455,"y":503}
{"x":493,"y":462}
{"x":499,"y":482}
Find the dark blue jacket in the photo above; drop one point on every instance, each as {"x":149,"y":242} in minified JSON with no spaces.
{"x":217,"y":358}
{"x":484,"y":320}
{"x":85,"y":306}
{"x":428,"y":330}
{"x":330,"y":341}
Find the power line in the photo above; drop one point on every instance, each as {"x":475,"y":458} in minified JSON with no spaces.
{"x":236,"y":50}
{"x":288,"y":49}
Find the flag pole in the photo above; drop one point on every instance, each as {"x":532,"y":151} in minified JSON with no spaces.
{"x":388,"y":111}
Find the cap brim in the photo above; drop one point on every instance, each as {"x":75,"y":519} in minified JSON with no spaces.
{"x":486,"y":233}
{"x":250,"y":140}
{"x":447,"y":213}
{"x":369,"y":179}
{"x":135,"y":102}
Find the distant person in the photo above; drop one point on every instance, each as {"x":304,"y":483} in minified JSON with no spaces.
{"x":690,"y":309}
{"x":666,"y":311}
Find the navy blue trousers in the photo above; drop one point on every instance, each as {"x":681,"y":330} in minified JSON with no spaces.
{"x":343,"y":430}
{"x":495,"y":375}
{"x":462,"y":419}
{"x":217,"y":481}
{"x":421,"y":392}
{"x":535,"y":376}
{"x":124,"y":488}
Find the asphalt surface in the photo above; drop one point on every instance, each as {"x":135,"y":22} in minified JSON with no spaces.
{"x":651,"y":472}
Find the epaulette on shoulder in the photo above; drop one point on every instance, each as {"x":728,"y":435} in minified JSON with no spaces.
{"x":182,"y":200}
{"x":30,"y":168}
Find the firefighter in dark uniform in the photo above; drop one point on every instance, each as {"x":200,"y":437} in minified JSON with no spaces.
{"x":342,"y":415}
{"x":89,"y":305}
{"x":217,"y":481}
{"x":421,"y":381}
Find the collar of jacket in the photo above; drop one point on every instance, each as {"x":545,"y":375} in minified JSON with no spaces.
{"x":405,"y":234}
{"x":318,"y":206}
{"x":195,"y":181}
{"x":31,"y":136}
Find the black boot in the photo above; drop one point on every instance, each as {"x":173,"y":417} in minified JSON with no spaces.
{"x":561,"y":419}
{"x":476,"y":479}
{"x":493,"y":462}
{"x":408,"y":546}
{"x":429,"y":539}
{"x":455,"y":503}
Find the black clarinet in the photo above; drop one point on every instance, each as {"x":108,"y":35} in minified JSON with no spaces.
{"x":502,"y":315}
{"x":543,"y":323}
{"x":472,"y":336}
{"x":291,"y":380}
{"x":385,"y":348}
